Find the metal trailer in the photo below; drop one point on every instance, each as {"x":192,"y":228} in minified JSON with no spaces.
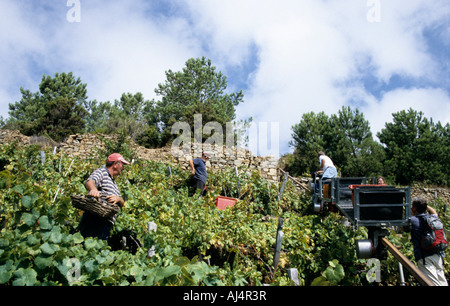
{"x":376,"y":207}
{"x":329,"y":192}
{"x":362,"y":202}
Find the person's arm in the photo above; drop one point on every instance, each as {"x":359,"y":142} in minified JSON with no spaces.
{"x":322,"y":164}
{"x":191,"y":163}
{"x":116,"y":200}
{"x":93,"y":191}
{"x":432,"y":211}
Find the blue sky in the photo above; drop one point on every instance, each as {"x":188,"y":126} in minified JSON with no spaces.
{"x":289,"y":56}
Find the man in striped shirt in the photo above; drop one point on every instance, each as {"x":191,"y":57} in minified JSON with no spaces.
{"x":101,"y":183}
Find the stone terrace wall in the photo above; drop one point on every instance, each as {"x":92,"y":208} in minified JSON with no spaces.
{"x":7,"y":136}
{"x":430,"y":193}
{"x":86,"y":145}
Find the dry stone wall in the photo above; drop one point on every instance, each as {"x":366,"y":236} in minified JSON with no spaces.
{"x":88,"y":145}
{"x":430,"y":194}
{"x":7,"y":136}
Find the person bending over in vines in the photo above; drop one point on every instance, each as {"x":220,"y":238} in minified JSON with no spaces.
{"x":199,"y":174}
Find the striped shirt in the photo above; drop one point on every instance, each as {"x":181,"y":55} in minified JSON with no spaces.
{"x":105,"y":184}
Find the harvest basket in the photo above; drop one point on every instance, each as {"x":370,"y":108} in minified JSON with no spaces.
{"x":94,"y":206}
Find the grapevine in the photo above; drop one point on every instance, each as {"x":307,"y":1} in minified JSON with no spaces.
{"x":194,"y":244}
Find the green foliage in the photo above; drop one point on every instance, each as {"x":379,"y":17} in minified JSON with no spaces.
{"x":197,"y":89}
{"x":124,"y":116}
{"x":353,"y":148}
{"x":63,"y":117}
{"x":309,"y":137}
{"x":417,"y":149}
{"x":345,"y":137}
{"x":56,"y":110}
{"x":61,"y":108}
{"x":150,"y":138}
{"x":120,"y":144}
{"x":331,"y":276}
{"x":195,"y":244}
{"x":2,"y":122}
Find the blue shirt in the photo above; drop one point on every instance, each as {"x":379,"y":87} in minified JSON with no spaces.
{"x":200,"y":170}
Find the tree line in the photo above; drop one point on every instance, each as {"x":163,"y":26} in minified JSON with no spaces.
{"x":411,"y":148}
{"x":61,"y":106}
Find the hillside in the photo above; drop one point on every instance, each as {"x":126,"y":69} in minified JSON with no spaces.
{"x":194,"y":243}
{"x":93,"y":145}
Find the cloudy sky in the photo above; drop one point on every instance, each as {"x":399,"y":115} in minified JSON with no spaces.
{"x":289,"y":56}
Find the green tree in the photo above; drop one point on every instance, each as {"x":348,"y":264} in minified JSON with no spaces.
{"x":417,"y":149}
{"x":63,"y":85}
{"x":345,"y":137}
{"x":352,"y":146}
{"x":150,"y":138}
{"x":63,"y":117}
{"x":25,"y":113}
{"x":98,"y":114}
{"x":35,"y":110}
{"x":127,"y":116}
{"x":309,"y":136}
{"x":197,"y":89}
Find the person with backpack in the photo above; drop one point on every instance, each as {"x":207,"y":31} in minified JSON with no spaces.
{"x":429,"y":241}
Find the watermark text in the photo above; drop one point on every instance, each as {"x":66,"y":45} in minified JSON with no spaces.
{"x":260,"y":138}
{"x":374,"y":13}
{"x":74,"y":13}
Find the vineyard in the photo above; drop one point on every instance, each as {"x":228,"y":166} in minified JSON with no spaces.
{"x":194,"y":243}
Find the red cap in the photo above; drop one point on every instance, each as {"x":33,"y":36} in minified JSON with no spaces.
{"x":117,"y":157}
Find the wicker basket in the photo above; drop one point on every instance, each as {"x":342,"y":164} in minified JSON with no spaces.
{"x":95,"y":206}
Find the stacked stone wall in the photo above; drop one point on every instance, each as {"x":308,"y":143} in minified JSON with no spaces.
{"x":88,"y":145}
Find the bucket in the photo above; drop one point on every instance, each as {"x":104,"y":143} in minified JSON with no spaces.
{"x":224,"y":202}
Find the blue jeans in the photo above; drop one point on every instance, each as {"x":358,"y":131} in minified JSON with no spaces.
{"x":330,"y":172}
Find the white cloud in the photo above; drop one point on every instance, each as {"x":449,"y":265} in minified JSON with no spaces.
{"x":313,"y":56}
{"x":120,"y":49}
{"x":307,"y":55}
{"x":21,"y":45}
{"x":434,"y":103}
{"x":300,"y":56}
{"x":117,"y":47}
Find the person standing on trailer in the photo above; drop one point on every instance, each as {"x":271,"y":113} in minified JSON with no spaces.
{"x":430,"y":263}
{"x":327,"y":168}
